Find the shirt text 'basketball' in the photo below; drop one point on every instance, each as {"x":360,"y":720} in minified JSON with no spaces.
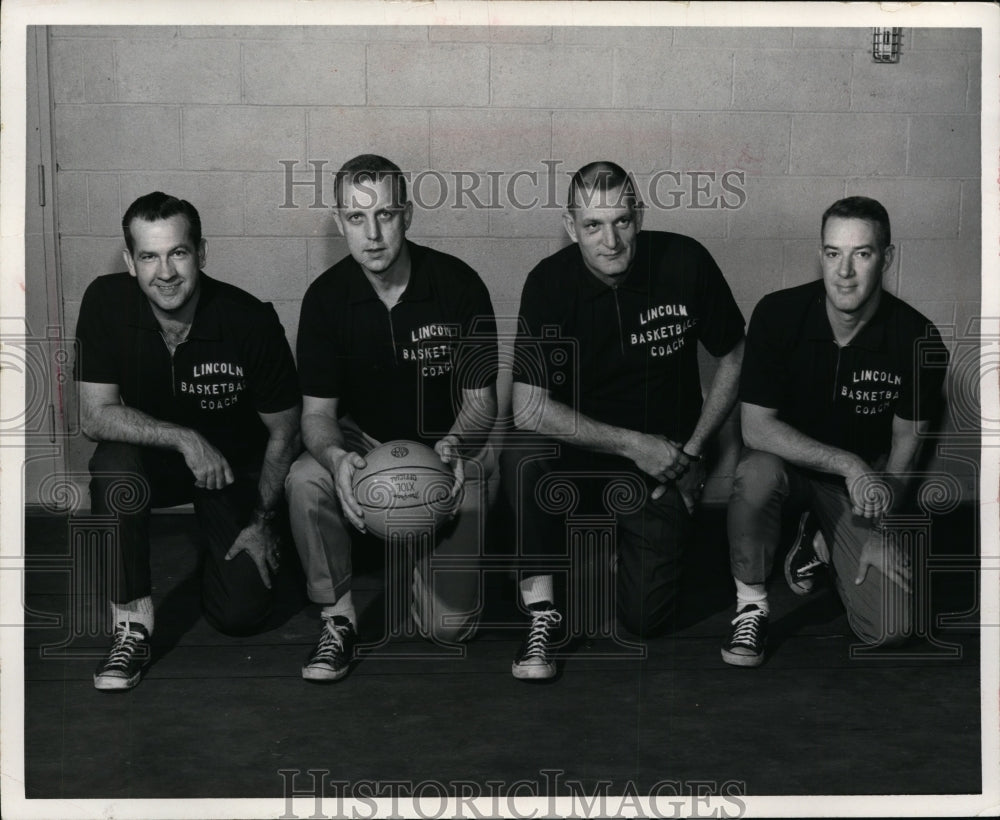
{"x":218,"y":393}
{"x":666,"y":338}
{"x":873,"y":391}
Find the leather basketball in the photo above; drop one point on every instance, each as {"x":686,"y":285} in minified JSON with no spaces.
{"x":404,"y":489}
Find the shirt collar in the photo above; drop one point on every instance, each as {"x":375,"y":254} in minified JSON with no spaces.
{"x":871,"y":336}
{"x":635,"y":281}
{"x":359,"y":289}
{"x":206,"y":323}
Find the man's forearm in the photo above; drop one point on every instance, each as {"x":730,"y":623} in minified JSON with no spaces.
{"x":279,"y":454}
{"x":719,"y":402}
{"x":131,"y":426}
{"x":475,"y":419}
{"x":780,"y":438}
{"x":557,"y":420}
{"x":323,"y":438}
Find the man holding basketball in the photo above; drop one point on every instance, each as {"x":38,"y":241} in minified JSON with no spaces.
{"x":396,"y":341}
{"x":835,"y":400}
{"x":626,"y":426}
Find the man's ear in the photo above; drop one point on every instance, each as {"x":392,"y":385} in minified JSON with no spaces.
{"x":888,"y":255}
{"x":570,"y":224}
{"x":129,"y":263}
{"x":637,"y":214}
{"x":407,"y":215}
{"x":202,"y":253}
{"x":337,"y":220}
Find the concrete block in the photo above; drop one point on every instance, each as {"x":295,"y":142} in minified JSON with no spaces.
{"x":288,"y":315}
{"x":785,"y":80}
{"x":670,"y":206}
{"x":217,"y":196}
{"x":116,"y":32}
{"x":947,"y":39}
{"x":933,"y":82}
{"x":322,"y":252}
{"x":846,"y":39}
{"x":939,"y":270}
{"x":974,"y":95}
{"x":520,"y":34}
{"x":676,"y":79}
{"x":944,"y":147}
{"x":490,"y":140}
{"x":918,"y":208}
{"x":755,"y":143}
{"x":458,"y":34}
{"x":753,"y":37}
{"x":105,"y":204}
{"x":65,"y":73}
{"x":367,"y":34}
{"x":293,"y":73}
{"x":627,"y":37}
{"x":265,"y":213}
{"x":527,"y":210}
{"x":244,"y":32}
{"x":552,"y":77}
{"x":337,"y":134}
{"x":751,"y":267}
{"x":73,"y":212}
{"x":848,"y":144}
{"x":942,"y":314}
{"x":117,"y":137}
{"x":800,"y":260}
{"x":437,"y":212}
{"x":417,"y":75}
{"x":784,"y":208}
{"x":268,"y":267}
{"x":233,"y":138}
{"x":177,"y":71}
{"x":970,"y":221}
{"x":503,"y":264}
{"x":84,"y":258}
{"x":639,"y":141}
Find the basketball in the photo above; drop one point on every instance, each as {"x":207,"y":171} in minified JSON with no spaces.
{"x":404,"y":488}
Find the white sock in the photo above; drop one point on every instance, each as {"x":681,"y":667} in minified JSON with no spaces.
{"x":536,"y":588}
{"x":344,"y":607}
{"x":751,"y":594}
{"x":139,"y":611}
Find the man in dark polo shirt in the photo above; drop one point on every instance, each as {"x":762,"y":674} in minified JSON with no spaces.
{"x":188,"y":386}
{"x":606,"y":374}
{"x":396,"y":341}
{"x":835,"y":399}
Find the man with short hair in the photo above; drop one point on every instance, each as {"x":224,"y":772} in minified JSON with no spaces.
{"x":835,"y":399}
{"x":188,"y":386}
{"x":396,"y":341}
{"x":626,"y":422}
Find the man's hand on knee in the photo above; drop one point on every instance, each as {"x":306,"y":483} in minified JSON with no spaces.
{"x":344,"y":468}
{"x":891,"y":561}
{"x":260,"y":542}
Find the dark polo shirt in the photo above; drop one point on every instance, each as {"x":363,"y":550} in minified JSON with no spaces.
{"x":398,"y":373}
{"x":842,"y":396}
{"x":627,"y":355}
{"x":234,"y":364}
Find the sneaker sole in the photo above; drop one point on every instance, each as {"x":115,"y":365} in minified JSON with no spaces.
{"x":538,"y":672}
{"x":114,"y":684}
{"x":323,"y":675}
{"x":794,"y":586}
{"x":733,"y":659}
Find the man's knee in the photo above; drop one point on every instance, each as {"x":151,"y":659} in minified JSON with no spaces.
{"x":307,"y":484}
{"x":758,"y":476}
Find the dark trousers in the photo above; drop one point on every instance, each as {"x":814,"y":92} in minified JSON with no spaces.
{"x":127,"y":481}
{"x":553,"y":487}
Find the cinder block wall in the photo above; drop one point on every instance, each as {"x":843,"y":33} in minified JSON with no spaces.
{"x":210,"y":114}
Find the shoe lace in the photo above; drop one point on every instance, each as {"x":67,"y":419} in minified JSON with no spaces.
{"x":126,"y":641}
{"x":747,"y":626}
{"x":331,"y":642}
{"x":538,"y":635}
{"x":812,"y":564}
